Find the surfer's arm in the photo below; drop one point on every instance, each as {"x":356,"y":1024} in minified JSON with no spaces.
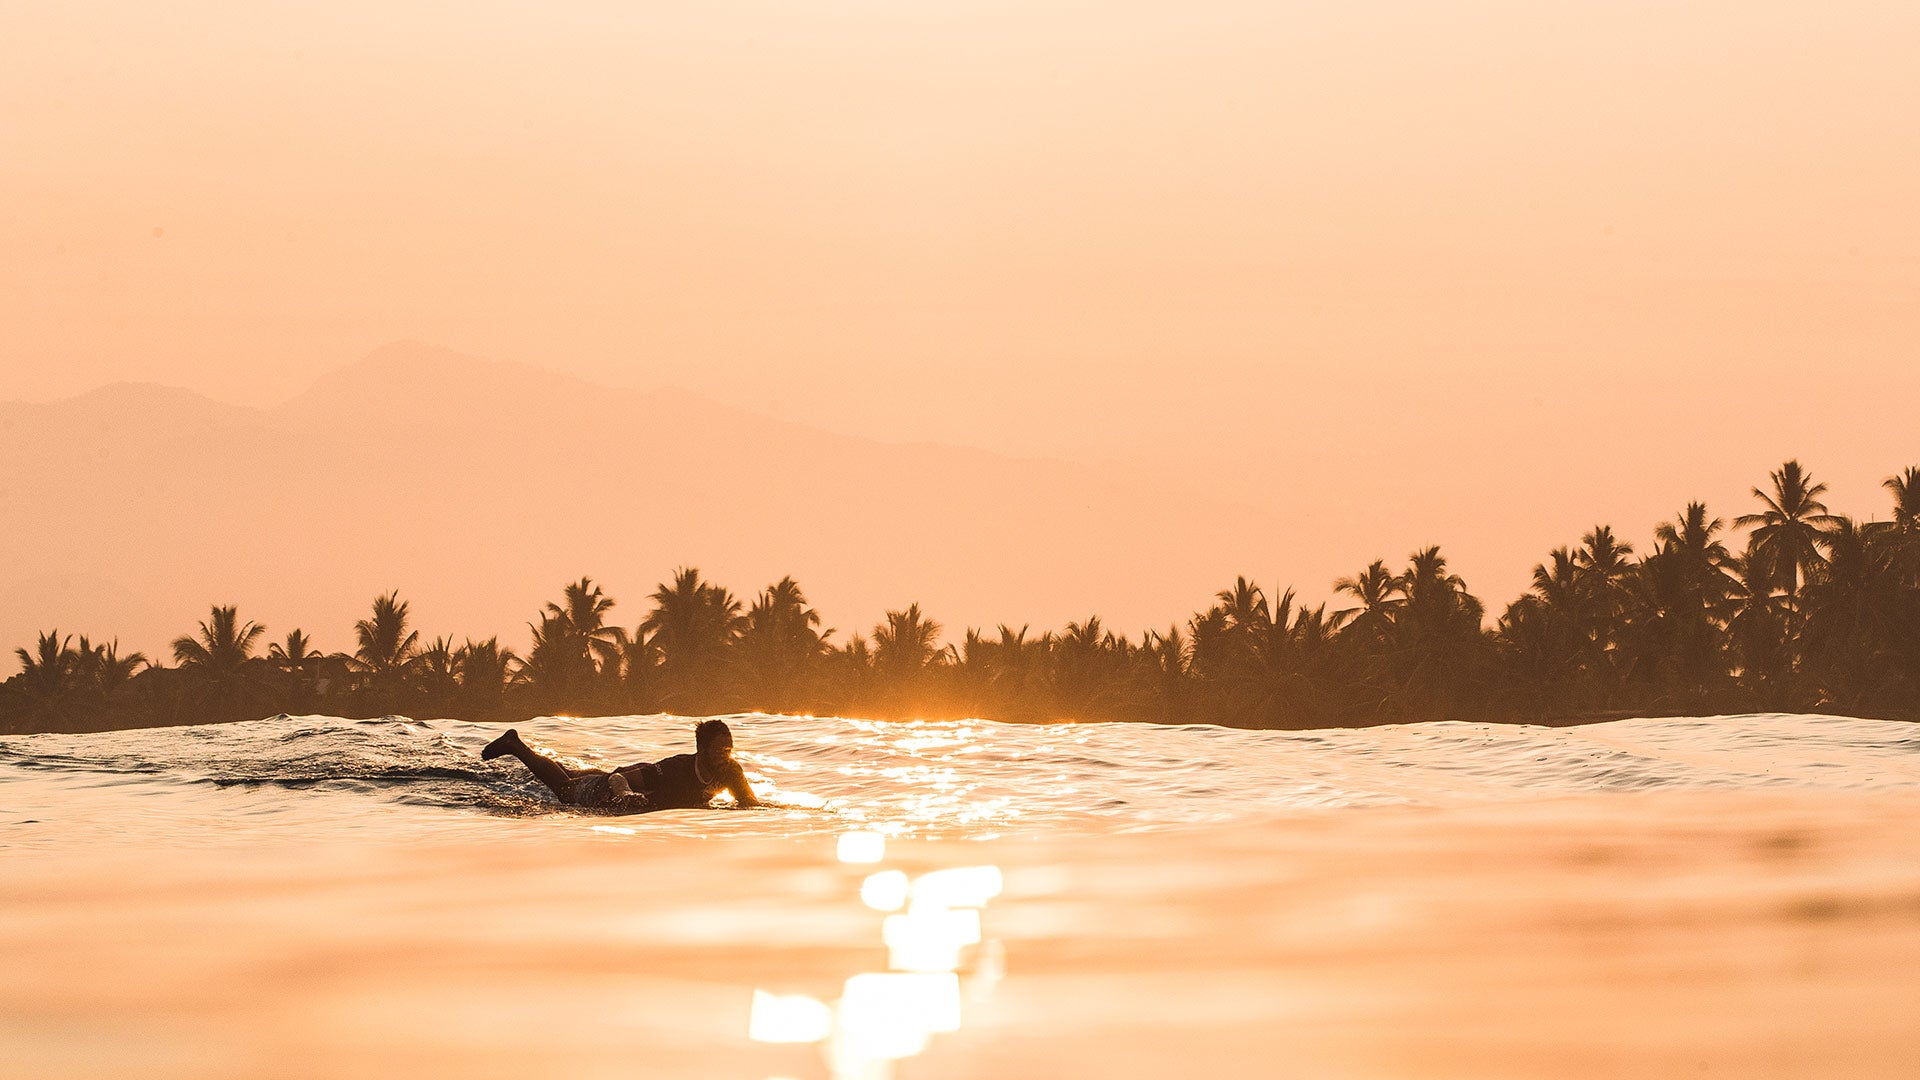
{"x":736,"y":781}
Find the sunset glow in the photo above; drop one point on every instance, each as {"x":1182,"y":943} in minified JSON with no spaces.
{"x":916,"y":539}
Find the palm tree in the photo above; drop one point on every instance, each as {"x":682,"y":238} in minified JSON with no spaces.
{"x":780,"y":641}
{"x":50,"y":674}
{"x":1006,"y":676}
{"x":217,"y":660}
{"x":555,"y":666}
{"x":1546,"y":636}
{"x":1244,"y":606}
{"x":1672,"y":634}
{"x":1790,"y":529}
{"x":1089,"y":662}
{"x":1603,"y":558}
{"x":1296,"y":662}
{"x":848,"y":676}
{"x":1691,"y":534}
{"x":1906,"y":498}
{"x":103,"y":669}
{"x":386,"y":654}
{"x":1378,"y":591}
{"x":1165,"y":665}
{"x":296,"y":660}
{"x":694,"y":624}
{"x":386,"y":647}
{"x":583,"y":610}
{"x":1556,"y":583}
{"x":1691,"y":541}
{"x":1901,"y":536}
{"x":1854,"y":622}
{"x":906,"y":644}
{"x":223,"y":646}
{"x":692,"y":616}
{"x":1756,"y":627}
{"x":640,"y":666}
{"x":1602,"y":571}
{"x":482,"y":668}
{"x":1435,"y":596}
{"x":1227,"y":639}
{"x":437,"y":668}
{"x":1437,"y":642}
{"x":295,"y":655}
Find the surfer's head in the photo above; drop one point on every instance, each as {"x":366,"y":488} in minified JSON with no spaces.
{"x":713,"y":746}
{"x":713,"y":737}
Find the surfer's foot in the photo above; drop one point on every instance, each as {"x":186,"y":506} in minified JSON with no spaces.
{"x":503,"y":745}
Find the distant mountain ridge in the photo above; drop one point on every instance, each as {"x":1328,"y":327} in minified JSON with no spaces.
{"x":478,"y":487}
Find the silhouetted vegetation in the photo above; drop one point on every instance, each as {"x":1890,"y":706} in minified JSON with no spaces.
{"x":1817,"y":612}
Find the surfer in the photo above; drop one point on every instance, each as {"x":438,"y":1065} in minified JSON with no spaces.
{"x":679,"y":782}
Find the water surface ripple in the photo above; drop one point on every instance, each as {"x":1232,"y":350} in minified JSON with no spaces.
{"x":970,"y":779}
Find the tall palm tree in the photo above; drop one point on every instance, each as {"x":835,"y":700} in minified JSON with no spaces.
{"x":1691,"y":540}
{"x":1603,"y":557}
{"x":694,"y":624}
{"x":1757,"y":626}
{"x":1692,"y":534}
{"x":1438,"y":645}
{"x":1245,"y":606}
{"x":583,"y":609}
{"x":102,"y":667}
{"x":1165,"y":665}
{"x":1790,"y":528}
{"x":1378,"y":591}
{"x":693,"y":619}
{"x":223,"y":646}
{"x":640,"y":666}
{"x":780,"y":641}
{"x":1906,"y":498}
{"x":482,"y":668}
{"x":1603,"y":569}
{"x":296,"y":660}
{"x":437,"y":668}
{"x":1548,"y":631}
{"x":1227,"y":638}
{"x":216,"y":662}
{"x":1557,"y":582}
{"x":1900,"y":537}
{"x":386,"y":647}
{"x":1088,"y":670}
{"x":1008,"y":674}
{"x":1431,"y":590}
{"x":556,"y":667}
{"x":49,"y":674}
{"x":906,"y":644}
{"x":1672,"y":634}
{"x":1854,"y":624}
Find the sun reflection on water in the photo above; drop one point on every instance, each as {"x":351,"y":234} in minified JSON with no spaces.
{"x":883,"y":1016}
{"x":919,"y":777}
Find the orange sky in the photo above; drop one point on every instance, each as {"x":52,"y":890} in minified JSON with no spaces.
{"x":1476,"y":273}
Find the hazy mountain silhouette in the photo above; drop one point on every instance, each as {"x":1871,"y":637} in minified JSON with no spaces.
{"x":476,"y":487}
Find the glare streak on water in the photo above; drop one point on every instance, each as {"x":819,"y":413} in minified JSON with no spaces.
{"x":967,"y":779}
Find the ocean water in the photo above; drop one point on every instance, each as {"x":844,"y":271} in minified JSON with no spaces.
{"x":294,"y":775}
{"x":317,"y":896}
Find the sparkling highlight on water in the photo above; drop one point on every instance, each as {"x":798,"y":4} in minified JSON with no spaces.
{"x":862,"y":847}
{"x":883,"y":1016}
{"x":885,"y":891}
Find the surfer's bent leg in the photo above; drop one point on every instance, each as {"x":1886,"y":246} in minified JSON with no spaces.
{"x":548,"y":771}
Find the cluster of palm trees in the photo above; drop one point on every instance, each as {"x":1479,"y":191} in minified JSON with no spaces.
{"x":1816,"y":612}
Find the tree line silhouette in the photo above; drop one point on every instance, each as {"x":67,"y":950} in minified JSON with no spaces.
{"x":1817,"y":612}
